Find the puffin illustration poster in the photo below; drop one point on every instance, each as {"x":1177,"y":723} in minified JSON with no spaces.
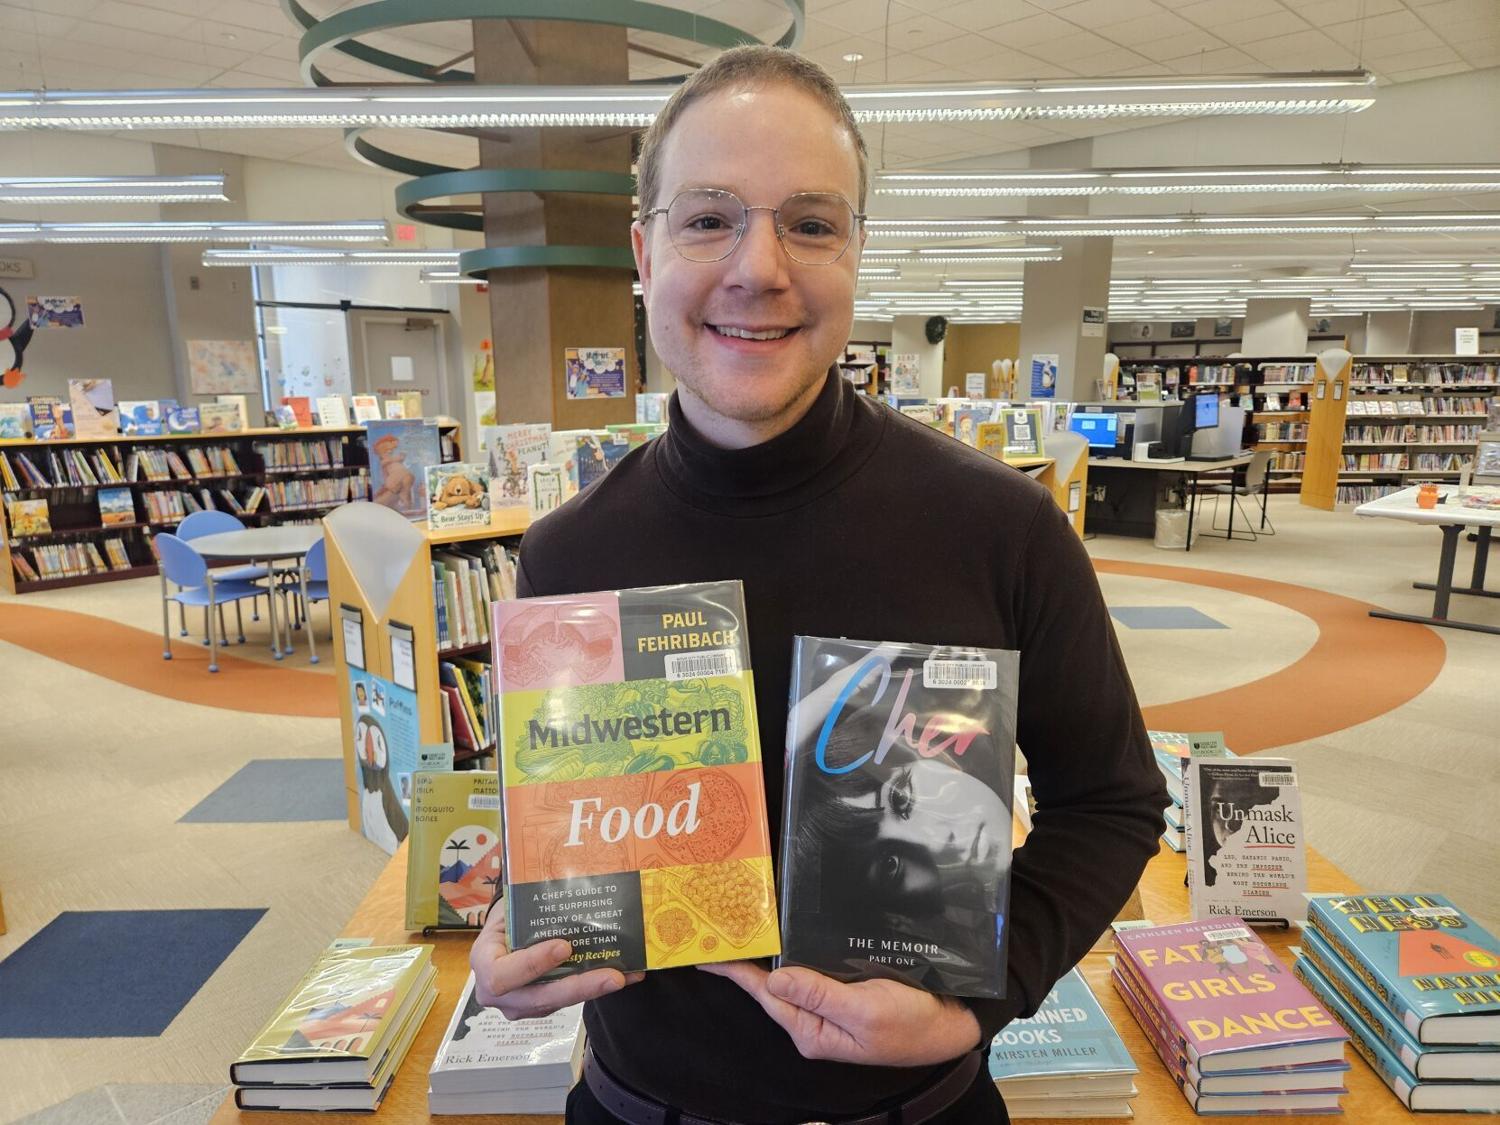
{"x":387,"y":751}
{"x":224,"y":367}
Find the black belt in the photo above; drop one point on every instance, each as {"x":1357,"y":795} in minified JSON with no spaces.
{"x":634,"y":1109}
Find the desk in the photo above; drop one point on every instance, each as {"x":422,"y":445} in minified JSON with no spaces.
{"x":1452,"y":518}
{"x":1163,"y":895}
{"x":1142,"y":521}
{"x":266,"y":545}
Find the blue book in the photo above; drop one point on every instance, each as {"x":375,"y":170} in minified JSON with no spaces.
{"x":1427,"y":961}
{"x":400,"y":454}
{"x":183,"y":420}
{"x":1451,"y":1097}
{"x":1427,"y":1063}
{"x":1069,"y":1037}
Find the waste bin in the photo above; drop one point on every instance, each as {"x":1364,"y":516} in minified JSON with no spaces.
{"x":1172,"y":529}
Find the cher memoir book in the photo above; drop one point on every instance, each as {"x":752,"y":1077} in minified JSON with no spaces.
{"x":635,"y":810}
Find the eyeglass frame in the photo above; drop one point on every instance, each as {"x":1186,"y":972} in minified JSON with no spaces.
{"x":739,"y":231}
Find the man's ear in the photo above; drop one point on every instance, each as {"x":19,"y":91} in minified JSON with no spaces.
{"x":640,"y":246}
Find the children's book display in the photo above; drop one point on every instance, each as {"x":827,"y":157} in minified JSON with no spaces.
{"x":141,"y":416}
{"x":458,"y":495}
{"x":93,"y":406}
{"x":635,"y":811}
{"x":387,"y":751}
{"x":183,"y":420}
{"x":1245,"y":841}
{"x":116,"y":506}
{"x":241,"y":405}
{"x":454,"y":862}
{"x":1171,"y":750}
{"x":513,"y":450}
{"x":651,"y":407}
{"x":218,"y":418}
{"x":15,"y":420}
{"x":366,"y":408}
{"x":28,"y":517}
{"x":301,"y":410}
{"x":400,"y":454}
{"x":896,"y":853}
{"x":50,"y":418}
{"x":332,"y":412}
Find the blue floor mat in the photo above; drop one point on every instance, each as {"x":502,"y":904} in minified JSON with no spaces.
{"x":1163,"y":617}
{"x":276,"y":789}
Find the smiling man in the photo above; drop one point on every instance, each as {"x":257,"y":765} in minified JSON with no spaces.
{"x":842,"y":518}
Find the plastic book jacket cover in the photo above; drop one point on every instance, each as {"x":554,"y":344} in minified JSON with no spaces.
{"x":301,"y":410}
{"x":1221,"y":987}
{"x":455,"y":859}
{"x":183,"y":420}
{"x":50,"y":418}
{"x":896,"y":848}
{"x":28,"y":517}
{"x":1069,"y":1035}
{"x":400,"y":453}
{"x":93,"y":404}
{"x":116,"y":506}
{"x":15,"y":420}
{"x":219,"y":418}
{"x":141,"y":416}
{"x":1246,"y":853}
{"x":533,"y":1053}
{"x":458,"y":495}
{"x":1419,"y":953}
{"x":514,"y":449}
{"x":630,"y":761}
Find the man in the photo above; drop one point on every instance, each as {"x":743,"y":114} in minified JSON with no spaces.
{"x":842,"y":518}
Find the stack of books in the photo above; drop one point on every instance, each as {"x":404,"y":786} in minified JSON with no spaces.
{"x":1235,"y":1029}
{"x":1172,"y":750}
{"x":1065,"y":1061}
{"x":489,"y":1064}
{"x":337,"y":1041}
{"x":1416,"y":982}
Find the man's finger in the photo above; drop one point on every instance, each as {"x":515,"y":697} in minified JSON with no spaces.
{"x":813,"y":992}
{"x":535,"y":1000}
{"x":752,"y":978}
{"x":511,"y":971}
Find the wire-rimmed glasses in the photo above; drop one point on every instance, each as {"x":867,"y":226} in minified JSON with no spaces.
{"x":706,"y":224}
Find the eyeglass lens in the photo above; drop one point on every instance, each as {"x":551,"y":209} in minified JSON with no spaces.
{"x":705,"y":225}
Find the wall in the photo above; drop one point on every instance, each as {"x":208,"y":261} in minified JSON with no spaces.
{"x":909,"y":337}
{"x":1433,"y":334}
{"x":974,"y":347}
{"x":1125,"y":344}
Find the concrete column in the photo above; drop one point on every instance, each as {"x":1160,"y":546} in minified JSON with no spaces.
{"x":1054,"y":295}
{"x":1276,"y":326}
{"x":909,"y":337}
{"x":536,"y":313}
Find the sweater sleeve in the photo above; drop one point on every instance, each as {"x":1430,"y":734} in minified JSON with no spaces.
{"x":1099,"y":796}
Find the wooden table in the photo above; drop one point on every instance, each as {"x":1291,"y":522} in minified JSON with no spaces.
{"x":1163,"y":896}
{"x":1104,"y":469}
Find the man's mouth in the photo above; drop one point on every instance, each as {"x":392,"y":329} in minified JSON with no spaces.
{"x":738,"y":333}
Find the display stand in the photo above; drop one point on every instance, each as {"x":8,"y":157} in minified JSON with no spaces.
{"x":1325,"y":430}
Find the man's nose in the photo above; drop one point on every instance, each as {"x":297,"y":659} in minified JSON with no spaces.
{"x":759,"y":260}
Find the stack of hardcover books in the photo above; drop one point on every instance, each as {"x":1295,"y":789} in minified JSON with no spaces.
{"x":1234,"y":1027}
{"x":1065,"y":1061}
{"x":489,"y":1064}
{"x":1416,"y":982}
{"x":1172,"y":749}
{"x":337,"y":1041}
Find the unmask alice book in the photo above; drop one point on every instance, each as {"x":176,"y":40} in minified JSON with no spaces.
{"x":896,"y":843}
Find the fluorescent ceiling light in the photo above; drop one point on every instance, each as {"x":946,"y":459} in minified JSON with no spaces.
{"x":448,"y":277}
{"x":1194,"y":224}
{"x":238,"y":231}
{"x":112,"y":189}
{"x":438,"y":259}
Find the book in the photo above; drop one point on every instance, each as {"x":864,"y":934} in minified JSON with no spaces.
{"x":241,"y":404}
{"x":596,"y":453}
{"x":116,"y":506}
{"x":968,"y":417}
{"x":218,"y":418}
{"x":1414,"y":1093}
{"x":301,"y":410}
{"x":15,"y":420}
{"x":453,"y":868}
{"x":394,"y":409}
{"x":651,"y":407}
{"x":1173,"y":748}
{"x":141,"y":416}
{"x":1425,"y":959}
{"x":93,"y":405}
{"x":1224,"y":999}
{"x":332,"y":412}
{"x":183,"y":420}
{"x":366,"y":408}
{"x":513,"y":450}
{"x":484,"y":1052}
{"x":630,"y":764}
{"x":1068,"y":1039}
{"x":400,"y":453}
{"x":545,"y":488}
{"x":286,"y":417}
{"x":28,"y":517}
{"x":337,"y":1025}
{"x":50,"y":419}
{"x":1246,"y":851}
{"x":458,"y":495}
{"x":896,"y":848}
{"x":411,"y":403}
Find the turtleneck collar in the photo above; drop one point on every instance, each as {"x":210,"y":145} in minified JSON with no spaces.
{"x":814,"y":455}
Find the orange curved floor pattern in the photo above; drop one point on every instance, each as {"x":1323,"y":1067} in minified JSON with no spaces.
{"x":1359,"y":668}
{"x":132,"y":657}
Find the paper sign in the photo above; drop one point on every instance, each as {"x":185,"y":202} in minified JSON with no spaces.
{"x":1466,"y":341}
{"x":1093,"y":321}
{"x":354,"y":636}
{"x":1044,"y":376}
{"x":401,"y":369}
{"x":974,"y":384}
{"x":403,"y":660}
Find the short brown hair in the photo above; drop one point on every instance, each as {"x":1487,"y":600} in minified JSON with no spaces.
{"x":741,"y":68}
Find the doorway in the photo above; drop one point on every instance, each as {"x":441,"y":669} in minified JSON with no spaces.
{"x":400,"y":352}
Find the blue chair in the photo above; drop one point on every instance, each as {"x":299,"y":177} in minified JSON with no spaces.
{"x":315,"y":575}
{"x":212,"y":522}
{"x":197,"y":586}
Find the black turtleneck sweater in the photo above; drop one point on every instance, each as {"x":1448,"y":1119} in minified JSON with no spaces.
{"x":859,"y":522}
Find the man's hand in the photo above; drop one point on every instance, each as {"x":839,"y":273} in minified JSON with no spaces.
{"x":874,"y":1022}
{"x":506,"y":980}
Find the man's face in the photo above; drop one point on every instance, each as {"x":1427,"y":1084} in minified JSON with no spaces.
{"x":762,"y":144}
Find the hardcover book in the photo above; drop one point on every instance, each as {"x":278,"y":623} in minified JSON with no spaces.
{"x":453,"y":866}
{"x":219,"y":418}
{"x":1244,"y":838}
{"x":969,"y":417}
{"x":634,"y":804}
{"x":395,"y":409}
{"x":1426,"y":960}
{"x":332,"y":412}
{"x":544,"y":488}
{"x":400,"y":453}
{"x":301,"y":409}
{"x":50,"y":419}
{"x":1068,"y":1037}
{"x":1225,"y":999}
{"x":482,"y":1051}
{"x":241,"y":404}
{"x":183,"y":420}
{"x":15,"y":420}
{"x":366,"y":408}
{"x":896,"y":844}
{"x":286,"y":417}
{"x":116,"y":506}
{"x":514,"y":449}
{"x":28,"y":517}
{"x":651,"y":407}
{"x":458,"y":495}
{"x":93,"y":405}
{"x":141,"y":416}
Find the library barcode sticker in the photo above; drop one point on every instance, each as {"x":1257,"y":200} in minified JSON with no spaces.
{"x":693,"y":665}
{"x":1277,"y":779}
{"x":1433,"y":912}
{"x":964,"y":674}
{"x":485,"y":801}
{"x":1228,"y":933}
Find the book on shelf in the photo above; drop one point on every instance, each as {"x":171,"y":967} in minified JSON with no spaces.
{"x":28,"y":517}
{"x":546,"y":488}
{"x":488,"y":1064}
{"x":458,"y":495}
{"x":462,"y":682}
{"x":93,"y":405}
{"x":15,"y":420}
{"x":512,"y":450}
{"x":241,"y":403}
{"x":631,"y":774}
{"x":183,"y":420}
{"x":455,"y":860}
{"x":301,"y":407}
{"x":116,"y":506}
{"x":219,"y":418}
{"x":411,"y":403}
{"x":286,"y":417}
{"x":366,"y":408}
{"x":1245,"y":841}
{"x":400,"y":453}
{"x":395,"y":410}
{"x":50,"y":417}
{"x":651,"y":407}
{"x":968,"y":418}
{"x":332,"y":411}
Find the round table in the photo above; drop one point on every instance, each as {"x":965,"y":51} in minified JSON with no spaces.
{"x":267,"y":545}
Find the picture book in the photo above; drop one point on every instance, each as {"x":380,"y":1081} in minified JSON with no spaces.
{"x":394,"y":409}
{"x":301,"y":409}
{"x":513,"y":450}
{"x":400,"y":453}
{"x":968,"y":417}
{"x":387,"y":751}
{"x":1245,"y":843}
{"x":1069,"y":1036}
{"x":141,"y":416}
{"x":15,"y":420}
{"x":116,"y":506}
{"x":1414,"y":1093}
{"x":286,"y":417}
{"x":1172,"y":749}
{"x":332,"y":412}
{"x":366,"y":408}
{"x":630,"y":763}
{"x":411,"y":404}
{"x":484,"y":1051}
{"x":1224,"y":997}
{"x":50,"y":419}
{"x":596,"y":454}
{"x":896,"y":843}
{"x":458,"y":495}
{"x":339,"y":1021}
{"x":241,"y":403}
{"x":93,"y":405}
{"x":545,"y":488}
{"x":453,"y":866}
{"x":184,"y":420}
{"x":1428,"y":961}
{"x":28,"y":517}
{"x":651,"y":407}
{"x":218,"y":418}
{"x":989,"y":438}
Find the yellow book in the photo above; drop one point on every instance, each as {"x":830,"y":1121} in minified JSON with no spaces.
{"x":453,"y":870}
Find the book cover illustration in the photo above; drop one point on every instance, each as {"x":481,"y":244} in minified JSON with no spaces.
{"x":459,"y":495}
{"x":395,"y":410}
{"x":387,"y":749}
{"x":1428,"y":961}
{"x":651,"y":407}
{"x":1246,"y":853}
{"x":93,"y":405}
{"x":50,"y":418}
{"x":28,"y":517}
{"x":332,"y":412}
{"x":967,"y":419}
{"x":218,"y":418}
{"x":482,"y":1050}
{"x":286,"y":417}
{"x":635,"y":811}
{"x":896,"y":842}
{"x":241,"y":404}
{"x":141,"y":416}
{"x":544,"y":488}
{"x":15,"y":420}
{"x":456,"y":856}
{"x":597,"y":454}
{"x":116,"y":506}
{"x":183,"y":420}
{"x":366,"y":408}
{"x":1068,"y":1035}
{"x":301,"y":410}
{"x":400,"y":454}
{"x":513,"y":450}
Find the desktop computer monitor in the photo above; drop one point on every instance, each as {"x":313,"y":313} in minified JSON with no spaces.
{"x":1101,"y":431}
{"x":1205,"y":412}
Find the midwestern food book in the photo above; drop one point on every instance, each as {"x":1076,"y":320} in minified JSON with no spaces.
{"x":1068,"y":1037}
{"x":1225,"y":998}
{"x":1428,"y":961}
{"x":1244,"y":837}
{"x":634,"y":806}
{"x":896,"y":844}
{"x":454,"y":861}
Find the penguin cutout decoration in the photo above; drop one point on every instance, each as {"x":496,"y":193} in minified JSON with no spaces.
{"x":13,"y":341}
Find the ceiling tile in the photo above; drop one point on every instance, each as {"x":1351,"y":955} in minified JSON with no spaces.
{"x":1430,"y":72}
{"x":1480,"y":52}
{"x":259,"y":17}
{"x":1033,"y":29}
{"x":1421,"y":58}
{"x":1388,"y":45}
{"x":270,"y":70}
{"x":1094,"y":14}
{"x":981,"y":15}
{"x":1390,"y":24}
{"x":1322,"y":13}
{"x":1454,"y":11}
{"x":1176,"y":46}
{"x":921,"y":30}
{"x":1068,"y":50}
{"x":1110,"y":62}
{"x":1144,"y":30}
{"x":968,"y":50}
{"x":1261,"y":27}
{"x":1216,"y":13}
{"x":865,"y":16}
{"x":1464,"y":31}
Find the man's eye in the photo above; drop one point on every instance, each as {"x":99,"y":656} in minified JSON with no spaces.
{"x":813,"y":228}
{"x":709,"y":222}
